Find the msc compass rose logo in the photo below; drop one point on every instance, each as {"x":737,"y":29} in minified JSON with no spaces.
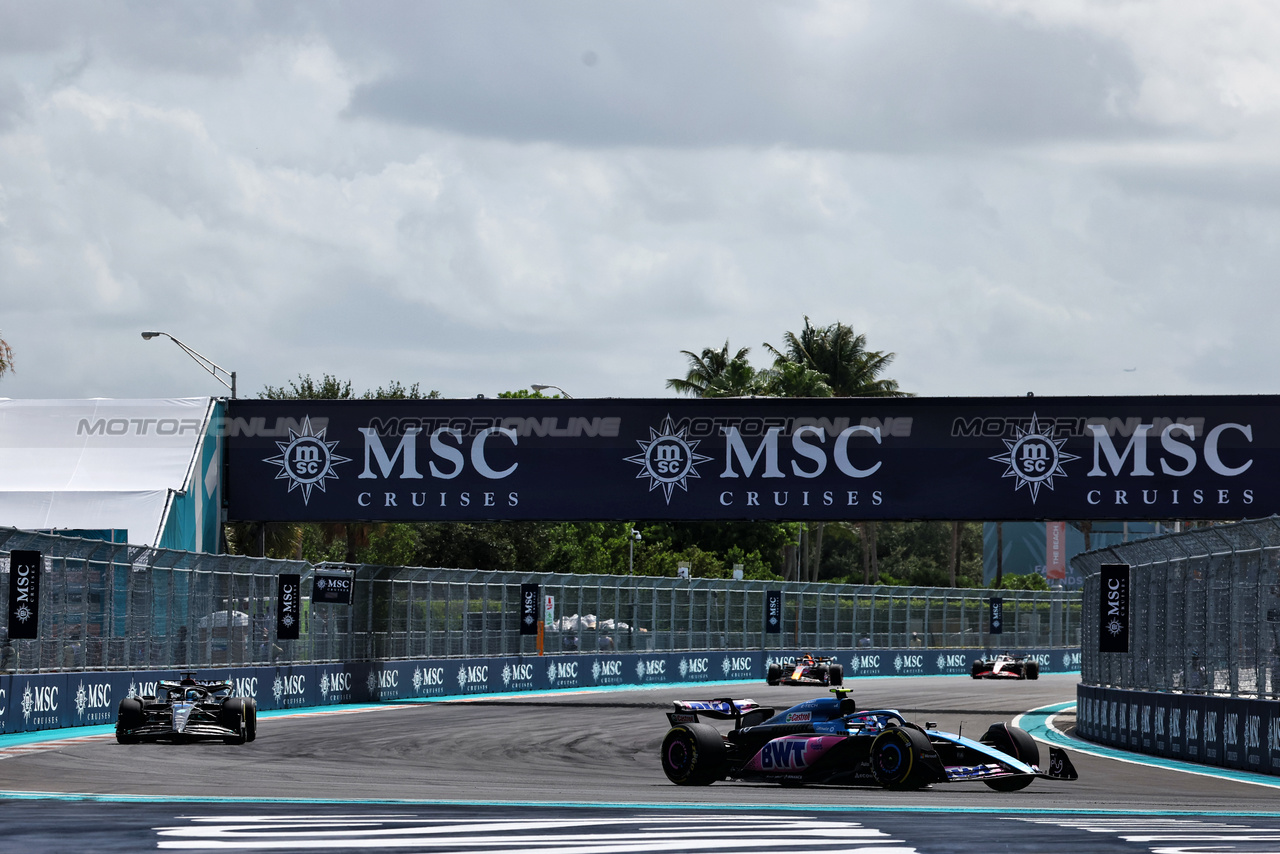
{"x":1034,"y":458}
{"x":306,"y":460}
{"x":667,"y":459}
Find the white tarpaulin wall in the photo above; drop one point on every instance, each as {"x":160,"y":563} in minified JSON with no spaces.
{"x":146,"y":469}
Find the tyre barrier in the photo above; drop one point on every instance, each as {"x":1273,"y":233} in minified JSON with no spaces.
{"x":41,"y":701}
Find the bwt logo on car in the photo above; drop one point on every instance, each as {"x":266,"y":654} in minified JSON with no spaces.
{"x":429,"y":679}
{"x":473,"y":677}
{"x":607,"y":671}
{"x":782,"y":754}
{"x":562,"y":672}
{"x":95,"y":700}
{"x":735,"y":665}
{"x":40,"y":705}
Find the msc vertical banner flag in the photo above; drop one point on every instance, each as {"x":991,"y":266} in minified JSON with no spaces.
{"x":1113,"y":617}
{"x":997,"y":615}
{"x":288,"y":606}
{"x":24,"y":594}
{"x":529,"y":602}
{"x":773,"y":611}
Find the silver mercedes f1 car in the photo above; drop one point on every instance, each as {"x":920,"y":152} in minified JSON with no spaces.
{"x":187,"y":710}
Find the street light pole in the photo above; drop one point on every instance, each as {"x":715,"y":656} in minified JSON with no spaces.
{"x":541,"y":386}
{"x":203,"y":361}
{"x":631,"y":551}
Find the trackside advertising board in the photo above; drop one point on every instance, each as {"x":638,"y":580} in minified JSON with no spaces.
{"x":835,"y":458}
{"x":1231,"y":732}
{"x":52,"y":700}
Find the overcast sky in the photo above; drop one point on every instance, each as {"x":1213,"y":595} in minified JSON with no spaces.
{"x":1058,"y":197}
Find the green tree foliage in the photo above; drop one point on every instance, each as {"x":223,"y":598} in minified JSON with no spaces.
{"x":841,"y":356}
{"x":914,"y":554}
{"x":714,"y":373}
{"x":331,"y":388}
{"x":1029,"y":581}
{"x":527,"y":394}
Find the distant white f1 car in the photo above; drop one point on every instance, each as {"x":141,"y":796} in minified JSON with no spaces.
{"x":1006,"y":666}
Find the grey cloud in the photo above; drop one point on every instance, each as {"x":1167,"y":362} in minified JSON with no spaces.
{"x":918,"y":75}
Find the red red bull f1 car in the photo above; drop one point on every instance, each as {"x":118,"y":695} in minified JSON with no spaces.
{"x":1006,"y":666}
{"x":827,"y":740}
{"x":187,"y":710}
{"x":805,"y":670}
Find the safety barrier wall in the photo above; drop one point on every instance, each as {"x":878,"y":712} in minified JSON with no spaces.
{"x":1231,"y":732}
{"x":1204,"y":611}
{"x":105,"y":606}
{"x":30,"y":702}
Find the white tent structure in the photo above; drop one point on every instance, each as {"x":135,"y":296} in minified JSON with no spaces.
{"x":147,"y":472}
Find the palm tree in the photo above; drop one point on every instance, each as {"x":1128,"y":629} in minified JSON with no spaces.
{"x":842,"y":357}
{"x":6,"y":358}
{"x":714,"y":374}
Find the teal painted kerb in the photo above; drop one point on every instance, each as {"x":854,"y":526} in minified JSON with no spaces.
{"x":1038,"y":722}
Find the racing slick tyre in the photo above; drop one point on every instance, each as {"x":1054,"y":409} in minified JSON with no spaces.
{"x":250,"y":720}
{"x":233,"y":716}
{"x":1018,"y":744}
{"x":1031,"y":670}
{"x":693,"y":755}
{"x":898,"y":758}
{"x":835,"y":675}
{"x":773,"y":675}
{"x":978,"y":667}
{"x":130,"y":716}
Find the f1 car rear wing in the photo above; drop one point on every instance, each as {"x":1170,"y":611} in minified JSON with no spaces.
{"x":741,"y":712}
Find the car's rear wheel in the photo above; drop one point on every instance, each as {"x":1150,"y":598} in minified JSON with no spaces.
{"x":233,"y":717}
{"x":250,"y":720}
{"x":835,"y":675}
{"x":978,"y":667}
{"x":1017,"y":743}
{"x":693,"y":755}
{"x":129,"y":717}
{"x":1032,"y":670}
{"x":898,"y":758}
{"x":773,"y":675}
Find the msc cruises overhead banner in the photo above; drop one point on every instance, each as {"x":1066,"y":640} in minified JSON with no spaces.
{"x":836,"y":458}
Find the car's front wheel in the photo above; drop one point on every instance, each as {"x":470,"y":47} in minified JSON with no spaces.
{"x":129,"y":717}
{"x":693,"y":755}
{"x":233,"y":717}
{"x":899,"y":758}
{"x":1017,"y":743}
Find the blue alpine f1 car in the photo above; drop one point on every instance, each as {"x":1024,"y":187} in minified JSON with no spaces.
{"x":827,"y":740}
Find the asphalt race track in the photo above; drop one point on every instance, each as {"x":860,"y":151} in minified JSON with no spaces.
{"x":579,"y":773}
